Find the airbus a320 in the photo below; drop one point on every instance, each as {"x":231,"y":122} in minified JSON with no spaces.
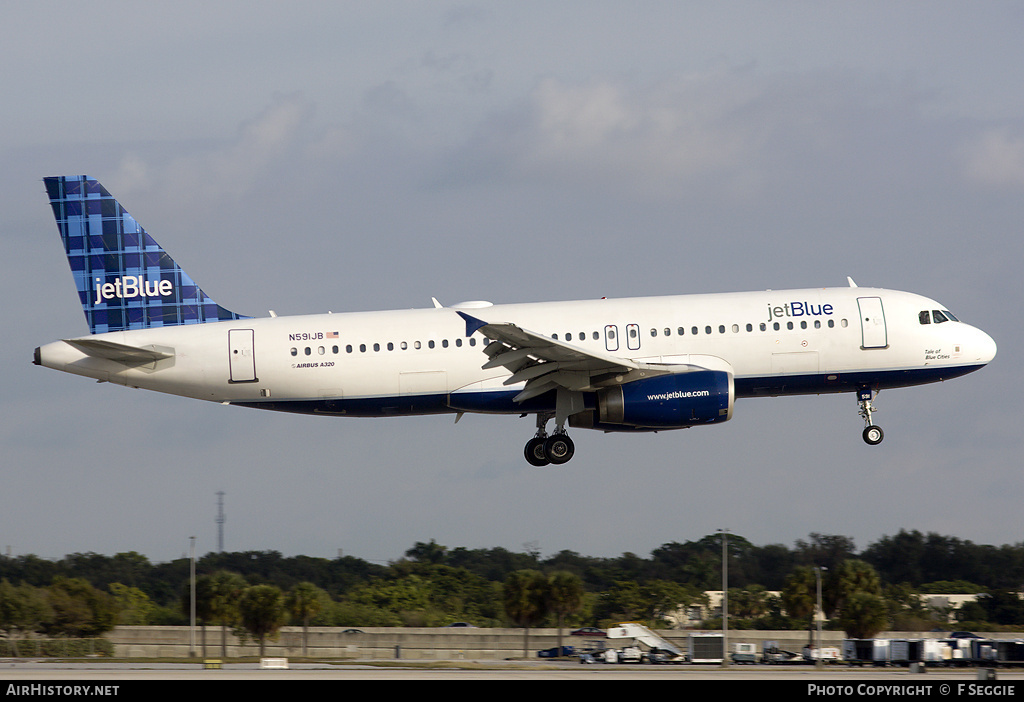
{"x":643,"y":364}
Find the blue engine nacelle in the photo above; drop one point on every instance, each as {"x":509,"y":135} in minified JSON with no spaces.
{"x":673,"y":401}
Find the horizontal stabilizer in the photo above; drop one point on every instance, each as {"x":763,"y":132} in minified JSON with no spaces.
{"x":129,"y":355}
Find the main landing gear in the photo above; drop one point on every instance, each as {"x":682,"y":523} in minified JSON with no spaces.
{"x":873,"y":434}
{"x":543,"y":449}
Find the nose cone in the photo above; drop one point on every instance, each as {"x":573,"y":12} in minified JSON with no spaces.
{"x":986,"y":347}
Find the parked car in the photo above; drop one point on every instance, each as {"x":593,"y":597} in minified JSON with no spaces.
{"x":588,"y":631}
{"x":461,"y":624}
{"x":553,"y":652}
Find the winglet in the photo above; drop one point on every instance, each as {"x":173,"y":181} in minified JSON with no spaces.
{"x":472,"y":323}
{"x":850,"y":281}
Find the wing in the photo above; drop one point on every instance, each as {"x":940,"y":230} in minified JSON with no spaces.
{"x":548,"y":364}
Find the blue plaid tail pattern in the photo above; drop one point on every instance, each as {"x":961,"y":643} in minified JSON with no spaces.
{"x":124,"y":278}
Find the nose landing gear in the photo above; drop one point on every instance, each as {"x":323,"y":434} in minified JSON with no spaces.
{"x":873,"y":434}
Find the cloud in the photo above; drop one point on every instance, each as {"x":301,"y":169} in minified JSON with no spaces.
{"x":647,"y":135}
{"x":995,"y":158}
{"x":732,"y":131}
{"x":231,"y":168}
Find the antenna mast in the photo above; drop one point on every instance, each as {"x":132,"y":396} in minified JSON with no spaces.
{"x":220,"y":521}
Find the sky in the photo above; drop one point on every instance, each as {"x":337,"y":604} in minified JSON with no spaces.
{"x":307,"y":156}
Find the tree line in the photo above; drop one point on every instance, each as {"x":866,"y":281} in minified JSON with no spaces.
{"x":253,"y":593}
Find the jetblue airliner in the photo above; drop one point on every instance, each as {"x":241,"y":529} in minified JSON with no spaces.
{"x":634,"y":364}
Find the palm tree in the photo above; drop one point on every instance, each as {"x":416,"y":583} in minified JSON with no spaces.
{"x":205,"y":597}
{"x":524,"y":592}
{"x":226,"y":590}
{"x":849,"y":577}
{"x":800,"y":597}
{"x":749,"y":602}
{"x":863,"y":615}
{"x":304,"y":602}
{"x":261,"y":611}
{"x":564,"y":596}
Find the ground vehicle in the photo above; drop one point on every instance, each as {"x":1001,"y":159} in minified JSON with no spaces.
{"x":631,"y":654}
{"x":553,"y":652}
{"x":661,"y":651}
{"x":609,"y":655}
{"x":744,"y":653}
{"x":771,"y":654}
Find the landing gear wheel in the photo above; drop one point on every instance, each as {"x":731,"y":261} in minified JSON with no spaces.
{"x":534,"y":452}
{"x":873,"y":435}
{"x":559,"y":448}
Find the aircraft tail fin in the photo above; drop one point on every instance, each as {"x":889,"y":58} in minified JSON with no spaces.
{"x":124,"y":278}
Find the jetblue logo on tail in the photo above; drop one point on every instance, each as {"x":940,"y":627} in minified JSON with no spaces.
{"x":131,"y":286}
{"x":125,"y":280}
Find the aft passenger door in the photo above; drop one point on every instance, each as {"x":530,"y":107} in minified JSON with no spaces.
{"x":241,"y":359}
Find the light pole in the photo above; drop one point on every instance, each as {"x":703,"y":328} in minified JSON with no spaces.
{"x":725,"y":597}
{"x":192,"y":592}
{"x":817,"y":576}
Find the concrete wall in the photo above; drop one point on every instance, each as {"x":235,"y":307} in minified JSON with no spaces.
{"x":387,"y":643}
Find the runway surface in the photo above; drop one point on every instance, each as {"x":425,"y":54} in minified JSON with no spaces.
{"x":106,"y":672}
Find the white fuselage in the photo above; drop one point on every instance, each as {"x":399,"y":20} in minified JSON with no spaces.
{"x":421,"y":361}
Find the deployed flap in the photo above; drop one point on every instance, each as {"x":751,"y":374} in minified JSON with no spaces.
{"x":128,"y":355}
{"x":544,"y":363}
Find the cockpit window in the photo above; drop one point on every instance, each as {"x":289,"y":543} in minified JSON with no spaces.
{"x":937,"y":316}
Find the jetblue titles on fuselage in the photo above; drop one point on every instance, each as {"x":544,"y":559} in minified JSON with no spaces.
{"x":640,"y":364}
{"x":799,"y":309}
